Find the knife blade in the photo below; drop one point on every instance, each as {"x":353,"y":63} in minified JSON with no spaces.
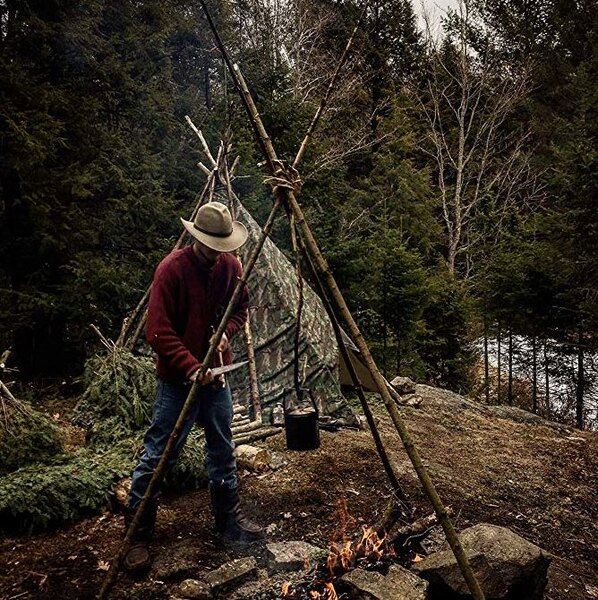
{"x":227,"y":368}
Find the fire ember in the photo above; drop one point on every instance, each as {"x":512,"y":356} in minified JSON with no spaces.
{"x":368,"y":551}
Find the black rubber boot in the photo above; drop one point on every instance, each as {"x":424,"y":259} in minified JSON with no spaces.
{"x":138,"y":558}
{"x":230,"y":522}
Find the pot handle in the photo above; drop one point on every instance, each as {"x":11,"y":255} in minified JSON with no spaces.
{"x":304,"y":391}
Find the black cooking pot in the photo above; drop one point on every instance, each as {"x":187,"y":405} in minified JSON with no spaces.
{"x":301,"y":420}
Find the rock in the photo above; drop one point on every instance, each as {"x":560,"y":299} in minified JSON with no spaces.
{"x":196,"y":590}
{"x":178,"y":560}
{"x":403,"y":385}
{"x":398,"y":583}
{"x":412,"y":400}
{"x":277,"y":461}
{"x":233,"y":572}
{"x":291,"y":556}
{"x":505,"y":565}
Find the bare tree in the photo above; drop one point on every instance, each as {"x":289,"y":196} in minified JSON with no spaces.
{"x":482,"y":167}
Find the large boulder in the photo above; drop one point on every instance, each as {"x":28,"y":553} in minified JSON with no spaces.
{"x":506,"y":566}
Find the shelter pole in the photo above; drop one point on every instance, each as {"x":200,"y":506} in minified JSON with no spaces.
{"x":398,"y":491}
{"x":191,"y":398}
{"x":324,"y":101}
{"x":254,"y":388}
{"x":277,"y":170}
{"x":337,"y":297}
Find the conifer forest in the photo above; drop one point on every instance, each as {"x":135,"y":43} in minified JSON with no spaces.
{"x":451,"y":185}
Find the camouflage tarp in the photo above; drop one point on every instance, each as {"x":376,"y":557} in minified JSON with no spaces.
{"x":274,"y":298}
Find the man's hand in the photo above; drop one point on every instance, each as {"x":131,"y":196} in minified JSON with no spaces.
{"x":207,"y":378}
{"x":223,"y":344}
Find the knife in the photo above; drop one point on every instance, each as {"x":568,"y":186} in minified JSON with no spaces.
{"x":226,"y":368}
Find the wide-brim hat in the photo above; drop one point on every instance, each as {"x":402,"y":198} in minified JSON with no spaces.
{"x":214,"y":227}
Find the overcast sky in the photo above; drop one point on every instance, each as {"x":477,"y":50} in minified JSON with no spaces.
{"x":434,"y":8}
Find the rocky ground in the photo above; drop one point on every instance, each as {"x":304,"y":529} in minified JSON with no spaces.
{"x":496,"y":465}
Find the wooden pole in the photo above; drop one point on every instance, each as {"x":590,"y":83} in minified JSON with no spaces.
{"x":299,"y":275}
{"x":398,"y":492}
{"x":254,"y":389}
{"x":317,"y":116}
{"x":277,"y":170}
{"x":391,"y":407}
{"x":486,"y":365}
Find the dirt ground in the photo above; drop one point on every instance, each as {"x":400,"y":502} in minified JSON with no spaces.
{"x":539,"y":480}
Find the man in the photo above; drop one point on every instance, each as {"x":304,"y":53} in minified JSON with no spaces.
{"x":190,"y":292}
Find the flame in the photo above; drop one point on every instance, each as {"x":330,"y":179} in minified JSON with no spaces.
{"x":286,"y":589}
{"x":329,"y":593}
{"x":343,"y":553}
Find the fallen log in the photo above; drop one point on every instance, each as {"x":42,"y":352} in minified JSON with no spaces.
{"x":258,"y":434}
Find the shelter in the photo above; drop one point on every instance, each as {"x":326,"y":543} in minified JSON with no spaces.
{"x":274,"y":300}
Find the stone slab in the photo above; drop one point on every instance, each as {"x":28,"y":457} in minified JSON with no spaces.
{"x":398,"y":583}
{"x":292,"y":555}
{"x":231,"y":573}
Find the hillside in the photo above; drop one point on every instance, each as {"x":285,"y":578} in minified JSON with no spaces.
{"x":491,"y":464}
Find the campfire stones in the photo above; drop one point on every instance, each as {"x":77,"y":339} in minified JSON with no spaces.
{"x":231,"y":573}
{"x":505,"y":564}
{"x":293,"y":555}
{"x":372,"y":585}
{"x":194,"y":590}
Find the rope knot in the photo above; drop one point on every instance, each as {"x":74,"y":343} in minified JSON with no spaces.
{"x":285,"y":176}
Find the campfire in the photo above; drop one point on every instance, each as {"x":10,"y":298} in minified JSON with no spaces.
{"x":366,"y":550}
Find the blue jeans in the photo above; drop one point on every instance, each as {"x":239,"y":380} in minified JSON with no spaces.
{"x":213,"y":409}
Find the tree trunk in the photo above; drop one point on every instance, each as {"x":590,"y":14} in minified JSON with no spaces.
{"x":510,"y":388}
{"x":547,"y":380}
{"x":486,"y":365}
{"x":498,"y":362}
{"x":206,"y":79}
{"x":398,"y":350}
{"x":534,"y":374}
{"x":579,"y":393}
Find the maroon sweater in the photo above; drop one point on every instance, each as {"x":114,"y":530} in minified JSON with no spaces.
{"x":186,"y":301}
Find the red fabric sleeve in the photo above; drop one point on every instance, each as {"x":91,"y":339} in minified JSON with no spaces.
{"x":239,"y":316}
{"x":160,"y":331}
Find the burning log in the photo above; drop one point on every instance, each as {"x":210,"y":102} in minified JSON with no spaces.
{"x":415,"y":531}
